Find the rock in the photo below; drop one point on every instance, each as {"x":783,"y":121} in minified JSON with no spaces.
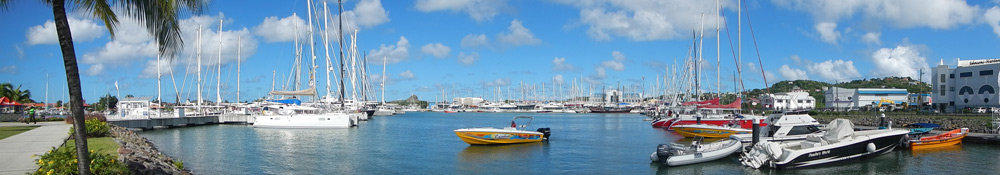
{"x":141,"y":156}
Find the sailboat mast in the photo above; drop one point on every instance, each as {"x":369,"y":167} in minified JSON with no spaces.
{"x":718,"y":55}
{"x":701,"y":59}
{"x":239,"y":62}
{"x":199,"y":68}
{"x":312,"y":51}
{"x":218,"y":76}
{"x":341,"y":33}
{"x":158,"y":74}
{"x":326,"y":45}
{"x":384,"y":59}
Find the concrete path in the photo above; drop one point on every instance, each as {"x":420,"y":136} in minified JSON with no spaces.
{"x":16,"y":151}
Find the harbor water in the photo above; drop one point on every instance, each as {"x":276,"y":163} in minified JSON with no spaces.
{"x":424,"y":143}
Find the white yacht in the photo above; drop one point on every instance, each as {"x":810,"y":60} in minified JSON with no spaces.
{"x":294,"y":116}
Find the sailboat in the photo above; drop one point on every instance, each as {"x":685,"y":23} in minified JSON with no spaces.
{"x":290,"y":113}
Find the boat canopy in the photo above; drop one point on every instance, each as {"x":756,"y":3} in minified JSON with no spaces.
{"x":287,"y":101}
{"x":733,"y":105}
{"x":838,"y":129}
{"x":310,"y":91}
{"x":714,"y":101}
{"x":923,"y":125}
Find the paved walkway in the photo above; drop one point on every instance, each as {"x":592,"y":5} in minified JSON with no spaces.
{"x":16,"y":151}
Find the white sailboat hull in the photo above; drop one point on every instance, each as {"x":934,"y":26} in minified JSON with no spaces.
{"x":328,"y":120}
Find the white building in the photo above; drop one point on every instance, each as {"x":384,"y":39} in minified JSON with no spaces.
{"x":466,"y":101}
{"x":615,"y":96}
{"x":971,"y":84}
{"x":795,"y":100}
{"x":844,"y":99}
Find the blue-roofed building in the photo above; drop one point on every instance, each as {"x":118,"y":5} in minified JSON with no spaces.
{"x":971,"y":84}
{"x":844,"y":99}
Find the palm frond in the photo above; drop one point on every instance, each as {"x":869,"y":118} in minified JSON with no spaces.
{"x":160,"y":17}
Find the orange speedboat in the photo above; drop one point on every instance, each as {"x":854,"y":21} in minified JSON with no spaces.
{"x":949,"y":138}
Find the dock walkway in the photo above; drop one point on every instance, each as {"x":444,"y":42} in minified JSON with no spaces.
{"x":16,"y":151}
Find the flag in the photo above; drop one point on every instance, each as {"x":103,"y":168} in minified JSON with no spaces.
{"x":116,"y":85}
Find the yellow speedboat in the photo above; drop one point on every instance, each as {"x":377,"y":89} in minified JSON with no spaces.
{"x":709,"y":131}
{"x":507,"y":135}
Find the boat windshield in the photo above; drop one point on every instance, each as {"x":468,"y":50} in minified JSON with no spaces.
{"x":807,"y":129}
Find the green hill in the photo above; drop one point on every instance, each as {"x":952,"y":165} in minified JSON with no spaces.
{"x":816,"y":88}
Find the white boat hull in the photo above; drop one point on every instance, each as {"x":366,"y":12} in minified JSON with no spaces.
{"x":328,"y":120}
{"x":729,"y":147}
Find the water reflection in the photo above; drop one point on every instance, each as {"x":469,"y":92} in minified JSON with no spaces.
{"x":491,"y":153}
{"x":937,"y":150}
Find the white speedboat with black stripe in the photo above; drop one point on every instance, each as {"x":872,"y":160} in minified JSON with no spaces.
{"x":838,"y":142}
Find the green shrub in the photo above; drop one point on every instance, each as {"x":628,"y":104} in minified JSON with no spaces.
{"x":95,"y":128}
{"x":63,"y":161}
{"x":179,"y":164}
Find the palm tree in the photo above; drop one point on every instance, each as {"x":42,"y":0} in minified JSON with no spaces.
{"x":15,"y":94}
{"x":158,"y":16}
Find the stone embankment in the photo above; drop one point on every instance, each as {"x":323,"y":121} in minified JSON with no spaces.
{"x":975,"y":124}
{"x":141,"y":156}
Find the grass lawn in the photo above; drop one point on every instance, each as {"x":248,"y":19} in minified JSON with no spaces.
{"x":100,"y":145}
{"x":8,"y":131}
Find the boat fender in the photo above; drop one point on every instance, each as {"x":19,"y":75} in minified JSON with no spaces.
{"x":871,"y":147}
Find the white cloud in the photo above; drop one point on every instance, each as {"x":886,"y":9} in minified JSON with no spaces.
{"x":368,"y":13}
{"x":872,"y":38}
{"x":645,"y":20}
{"x":437,"y":50}
{"x":935,"y":14}
{"x":558,"y":79}
{"x":19,"y":50}
{"x":12,"y":69}
{"x":828,"y":32}
{"x":902,"y":61}
{"x":468,"y":59}
{"x":408,"y":74}
{"x":796,"y":59}
{"x":518,"y":35}
{"x":559,"y":63}
{"x":498,"y":82}
{"x":992,"y":17}
{"x":83,"y":30}
{"x":600,"y":72}
{"x":392,"y":53}
{"x":835,"y":70}
{"x":479,"y":10}
{"x":94,"y":70}
{"x":792,"y":74}
{"x":273,"y":29}
{"x":135,"y":45}
{"x":617,"y":64}
{"x":475,"y":41}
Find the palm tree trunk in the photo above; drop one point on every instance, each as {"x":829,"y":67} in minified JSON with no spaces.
{"x":73,"y":80}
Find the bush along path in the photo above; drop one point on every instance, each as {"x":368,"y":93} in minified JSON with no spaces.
{"x":124,"y":153}
{"x":16,"y":151}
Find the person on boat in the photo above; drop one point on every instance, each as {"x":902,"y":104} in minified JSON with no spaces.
{"x":513,"y":125}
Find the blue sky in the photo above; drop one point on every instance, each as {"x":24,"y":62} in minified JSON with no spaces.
{"x":473,"y":47}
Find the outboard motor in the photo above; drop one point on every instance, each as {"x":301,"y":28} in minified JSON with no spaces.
{"x":662,"y":153}
{"x":545,"y":132}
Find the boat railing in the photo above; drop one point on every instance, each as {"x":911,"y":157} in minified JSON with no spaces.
{"x":522,"y":127}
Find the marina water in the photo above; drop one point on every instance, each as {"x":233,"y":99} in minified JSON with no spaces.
{"x":424,"y":143}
